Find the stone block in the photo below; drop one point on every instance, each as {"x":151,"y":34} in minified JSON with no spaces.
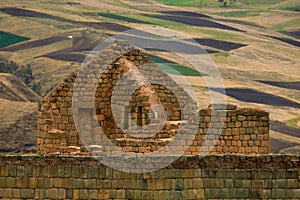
{"x":116,"y":183}
{"x":62,"y":193}
{"x":32,"y":182}
{"x":215,"y":194}
{"x":197,"y":183}
{"x":256,"y":194}
{"x":79,"y":184}
{"x":10,"y":182}
{"x":138,"y":194}
{"x":16,"y":193}
{"x":219,"y":183}
{"x":8,"y":193}
{"x":4,"y":170}
{"x":159,"y":184}
{"x":69,"y":193}
{"x":151,"y":184}
{"x":105,"y":184}
{"x":129,"y":194}
{"x":112,"y":193}
{"x":279,"y":183}
{"x":103,"y":194}
{"x":52,"y":193}
{"x":278,"y":193}
{"x":266,"y":174}
{"x":241,"y":118}
{"x":93,"y":194}
{"x":292,"y":183}
{"x":76,"y":194}
{"x":27,"y":193}
{"x":90,"y":183}
{"x":295,"y":193}
{"x":93,"y":172}
{"x":20,"y":171}
{"x":228,"y":183}
{"x":188,"y":183}
{"x":179,"y":184}
{"x":242,"y":193}
{"x":176,"y":195}
{"x":83,"y":194}
{"x":257,"y":184}
{"x":120,"y":194}
{"x":226,"y":193}
{"x":24,"y":183}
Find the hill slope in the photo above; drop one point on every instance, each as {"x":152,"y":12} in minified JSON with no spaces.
{"x":11,"y":88}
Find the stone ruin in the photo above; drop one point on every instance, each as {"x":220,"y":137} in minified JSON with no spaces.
{"x":85,"y":111}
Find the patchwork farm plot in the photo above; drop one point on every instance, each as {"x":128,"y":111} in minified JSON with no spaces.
{"x":194,"y":21}
{"x":288,"y":85}
{"x":250,"y":95}
{"x":7,"y":39}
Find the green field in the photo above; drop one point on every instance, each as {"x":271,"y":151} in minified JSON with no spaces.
{"x":293,"y":122}
{"x":171,"y":67}
{"x":7,"y":39}
{"x":159,"y":59}
{"x":286,"y":26}
{"x":239,"y":14}
{"x":264,"y":4}
{"x":179,"y":70}
{"x":259,"y":2}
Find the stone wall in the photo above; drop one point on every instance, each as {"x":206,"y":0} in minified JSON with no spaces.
{"x":87,"y":98}
{"x":191,"y":177}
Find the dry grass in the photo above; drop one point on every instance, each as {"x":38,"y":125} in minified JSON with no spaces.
{"x":12,"y":111}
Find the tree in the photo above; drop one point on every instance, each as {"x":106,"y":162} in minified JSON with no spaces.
{"x":37,"y":87}
{"x":24,"y":73}
{"x":227,"y":2}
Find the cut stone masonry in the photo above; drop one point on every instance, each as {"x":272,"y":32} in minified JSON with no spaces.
{"x":86,"y":102}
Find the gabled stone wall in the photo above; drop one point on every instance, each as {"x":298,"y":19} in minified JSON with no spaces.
{"x":221,"y":129}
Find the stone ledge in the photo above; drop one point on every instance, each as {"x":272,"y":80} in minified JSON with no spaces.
{"x":270,"y":161}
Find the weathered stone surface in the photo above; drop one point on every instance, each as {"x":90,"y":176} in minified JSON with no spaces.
{"x":234,"y":130}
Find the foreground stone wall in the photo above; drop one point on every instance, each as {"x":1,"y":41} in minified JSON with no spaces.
{"x":191,"y":177}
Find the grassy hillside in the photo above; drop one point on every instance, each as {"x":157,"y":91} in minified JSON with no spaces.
{"x":255,"y":45}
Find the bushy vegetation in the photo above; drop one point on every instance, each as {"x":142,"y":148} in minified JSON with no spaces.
{"x":295,"y":8}
{"x":227,"y":2}
{"x":7,"y":39}
{"x":24,"y":73}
